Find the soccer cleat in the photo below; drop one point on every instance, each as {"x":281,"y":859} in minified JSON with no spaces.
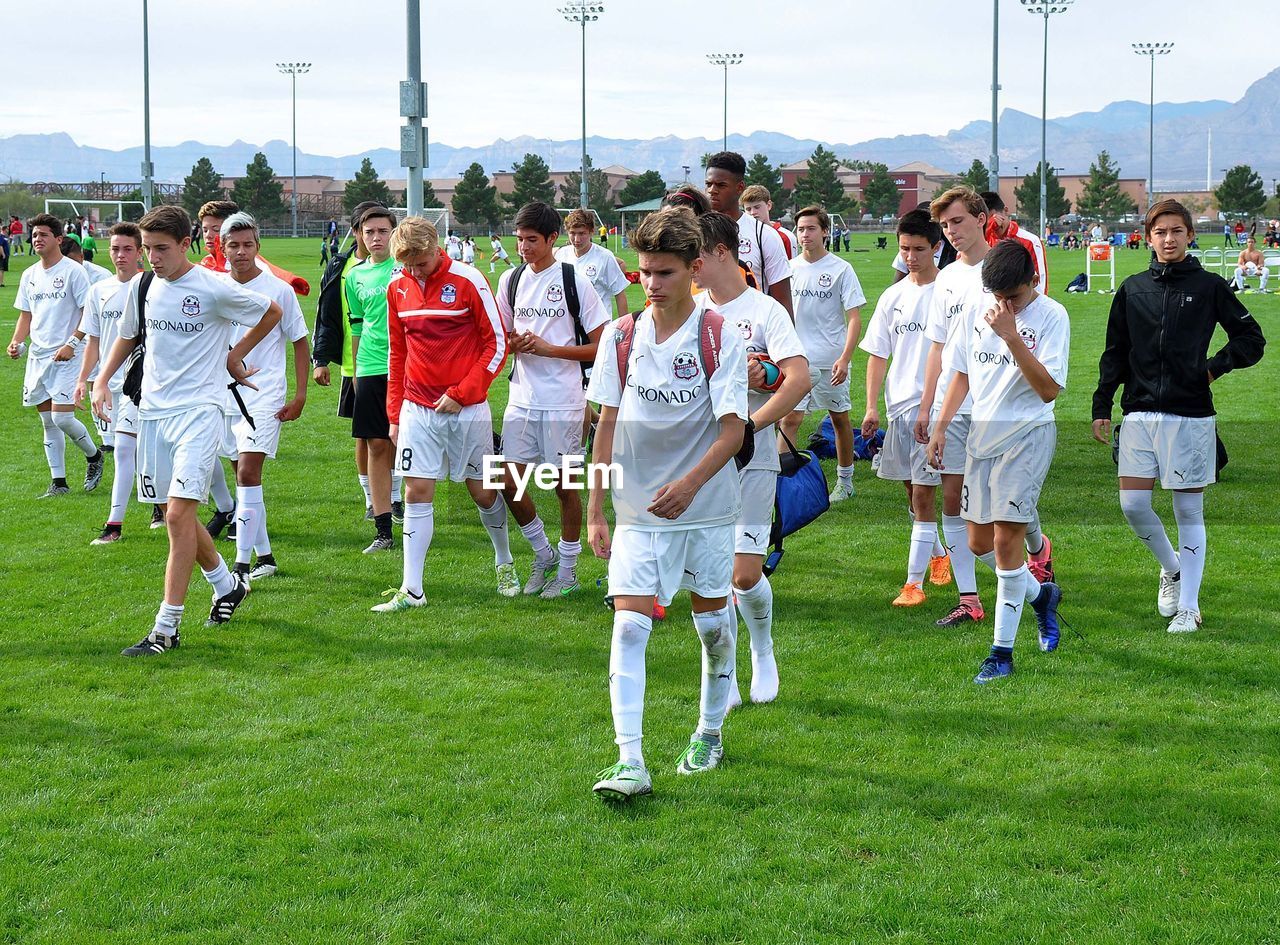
{"x":93,"y":472}
{"x":538,"y":573}
{"x":842,"y":491}
{"x":1185,"y":621}
{"x":397,"y":513}
{"x":265,"y":567}
{"x":400,"y":600}
{"x":157,"y":517}
{"x":1046,"y":610}
{"x":940,"y":570}
{"x":993,"y":668}
{"x":912,"y":595}
{"x":110,"y":535}
{"x":622,"y":782}
{"x":380,"y":543}
{"x":962,"y":613}
{"x":224,"y":607}
{"x":1041,"y":564}
{"x":218,"y":522}
{"x":153,"y":644}
{"x":659,"y":612}
{"x":54,"y":491}
{"x":559,"y":587}
{"x":231,"y":532}
{"x":508,"y":580}
{"x":1170,"y":589}
{"x":700,"y":755}
{"x":368,"y":513}
{"x":764,"y":678}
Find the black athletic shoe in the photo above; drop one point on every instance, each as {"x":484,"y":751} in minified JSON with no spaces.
{"x":93,"y":473}
{"x":225,"y":606}
{"x":231,"y":533}
{"x":157,"y":516}
{"x":110,"y":535}
{"x":219,"y":521}
{"x":368,"y":513}
{"x":241,"y":569}
{"x":397,"y":513}
{"x":153,"y":644}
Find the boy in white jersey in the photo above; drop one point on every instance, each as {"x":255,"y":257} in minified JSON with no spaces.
{"x":1013,"y":357}
{"x":453,"y":246}
{"x":595,"y":263}
{"x":758,"y":203}
{"x":777,"y":378}
{"x":673,"y":404}
{"x":50,"y":303}
{"x":543,"y":419}
{"x":498,"y":252}
{"x":189,"y":317}
{"x":75,"y":252}
{"x":72,"y":250}
{"x":258,"y":440}
{"x":469,"y":251}
{"x":759,"y":245}
{"x":896,"y":345}
{"x":101,"y":325}
{"x":828,"y":306}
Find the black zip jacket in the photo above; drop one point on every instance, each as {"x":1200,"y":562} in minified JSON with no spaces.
{"x":1158,"y":337}
{"x":326,"y":342}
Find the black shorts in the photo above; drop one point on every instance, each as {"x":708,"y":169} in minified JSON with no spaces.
{"x":369,"y":418}
{"x":347,"y":398}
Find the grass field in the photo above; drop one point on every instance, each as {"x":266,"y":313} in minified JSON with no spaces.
{"x":311,"y":774}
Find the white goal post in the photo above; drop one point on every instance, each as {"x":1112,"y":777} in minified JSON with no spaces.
{"x":86,"y":207}
{"x":436,"y":216}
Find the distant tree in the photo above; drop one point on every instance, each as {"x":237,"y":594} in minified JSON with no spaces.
{"x":365,"y":185}
{"x":597,"y":191}
{"x":532,"y":181}
{"x":760,"y":171}
{"x":475,"y":200}
{"x":1241,"y":192}
{"x":820,"y":185}
{"x":200,"y":186}
{"x":1102,"y":197}
{"x":1028,"y":197}
{"x":858,"y":164}
{"x":977,"y":176}
{"x":706,"y":156}
{"x":881,"y":196}
{"x":429,"y":198}
{"x":642,"y":187}
{"x":132,"y":212}
{"x":259,"y":192}
{"x":16,"y":199}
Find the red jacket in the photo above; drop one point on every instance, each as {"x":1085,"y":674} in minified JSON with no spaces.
{"x":445,"y":337}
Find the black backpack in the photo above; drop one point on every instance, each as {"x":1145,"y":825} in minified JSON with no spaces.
{"x":133,"y":365}
{"x":570,"y":277}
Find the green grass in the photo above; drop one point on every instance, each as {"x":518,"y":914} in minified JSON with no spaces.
{"x":311,"y":774}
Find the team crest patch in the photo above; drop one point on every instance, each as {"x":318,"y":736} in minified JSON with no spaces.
{"x":825,"y":280}
{"x":744,"y":326}
{"x":1028,"y":338}
{"x":449,"y":294}
{"x":591,"y":271}
{"x":58,"y":283}
{"x":685,"y":366}
{"x":555,"y":294}
{"x":190,"y":305}
{"x":744,"y":247}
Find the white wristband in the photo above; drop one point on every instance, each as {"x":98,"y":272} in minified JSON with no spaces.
{"x":74,"y":343}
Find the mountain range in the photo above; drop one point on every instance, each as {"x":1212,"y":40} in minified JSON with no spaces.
{"x":1243,"y":132}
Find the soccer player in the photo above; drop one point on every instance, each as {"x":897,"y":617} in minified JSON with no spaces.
{"x":1251,"y":263}
{"x":16,"y":228}
{"x":545,"y":405}
{"x":1000,"y":226}
{"x":101,"y":325}
{"x":180,"y":409}
{"x":50,"y":304}
{"x":499,"y":252}
{"x":758,"y":203}
{"x":777,"y":378}
{"x":828,"y":310}
{"x":469,"y":251}
{"x":673,"y":431}
{"x":447,"y":345}
{"x":366,"y":288}
{"x":1158,"y":336}
{"x":76,"y":253}
{"x":258,"y":433}
{"x":759,"y":245}
{"x":5,"y":253}
{"x":897,"y":350}
{"x":594,"y":263}
{"x":1013,"y":358}
{"x":454,"y":246}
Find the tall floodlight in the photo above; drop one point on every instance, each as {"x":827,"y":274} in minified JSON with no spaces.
{"x":413,"y":106}
{"x":1045,"y":10}
{"x":148,"y":169}
{"x":1151,"y":50}
{"x":582,"y":13}
{"x":293,"y":70}
{"x":993,"y":170}
{"x":725,"y":60}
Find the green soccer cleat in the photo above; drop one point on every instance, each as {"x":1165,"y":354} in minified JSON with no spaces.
{"x":702,"y":754}
{"x":622,"y":782}
{"x":400,"y":600}
{"x":559,"y":587}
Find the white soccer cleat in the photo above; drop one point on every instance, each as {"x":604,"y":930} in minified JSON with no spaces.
{"x":1170,"y":588}
{"x":539,"y":572}
{"x":508,"y":580}
{"x":764,"y":678}
{"x":262,"y":570}
{"x":399,"y":600}
{"x":622,"y":782}
{"x":559,"y":587}
{"x":1186,"y":621}
{"x":842,"y":491}
{"x":702,"y":754}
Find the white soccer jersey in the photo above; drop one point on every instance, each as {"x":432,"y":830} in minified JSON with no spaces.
{"x":959,"y":299}
{"x":822,"y":293}
{"x":896,"y":332}
{"x":268,"y":356}
{"x":600,"y":268}
{"x":96,"y":273}
{"x":453,"y":247}
{"x":899,"y":265}
{"x":102,"y":312}
{"x":668,"y":419}
{"x":55,"y":298}
{"x":190,"y":326}
{"x":761,"y":248}
{"x":765,"y":328}
{"x":1005,"y":406}
{"x":547,"y":383}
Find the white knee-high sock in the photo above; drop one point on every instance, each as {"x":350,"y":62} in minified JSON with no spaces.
{"x":1035,"y":537}
{"x":569,"y":551}
{"x":397,"y":483}
{"x":495,"y":523}
{"x":76,"y":432}
{"x":364,"y":487}
{"x":1188,"y":511}
{"x":956,"y":536}
{"x":122,"y":477}
{"x":1146,"y":524}
{"x":219,"y":578}
{"x":1010,"y":594}
{"x":924,"y":535}
{"x":55,"y":446}
{"x":989,"y":559}
{"x":939,"y":549}
{"x":626,"y":681}
{"x":262,"y":542}
{"x":536,"y":534}
{"x":248,"y":505}
{"x":756,"y":606}
{"x":719,"y":649}
{"x":222,"y":500}
{"x":419,"y":526}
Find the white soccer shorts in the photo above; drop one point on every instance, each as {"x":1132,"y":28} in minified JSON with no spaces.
{"x":47,"y":379}
{"x":824,"y":395}
{"x":177,"y":455}
{"x":1006,"y":488}
{"x":434,"y":445}
{"x":902,"y":459}
{"x":530,"y":435}
{"x":1181,"y":452}
{"x":124,"y":414}
{"x":751,"y":532}
{"x":263,"y":437}
{"x":662,"y":563}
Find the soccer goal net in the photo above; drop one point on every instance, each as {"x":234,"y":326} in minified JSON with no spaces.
{"x":95,"y":211}
{"x":437,"y":216}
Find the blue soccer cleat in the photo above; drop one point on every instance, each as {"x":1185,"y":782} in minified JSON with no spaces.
{"x":996,"y":666}
{"x":1046,"y":608}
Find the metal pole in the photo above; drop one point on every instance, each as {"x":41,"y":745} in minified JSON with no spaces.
{"x":993,"y":169}
{"x":294,"y":194}
{"x":1044,"y":126}
{"x":148,"y":186}
{"x":725,"y":145}
{"x":582,"y":185}
{"x":413,"y":20}
{"x":1151,"y":137}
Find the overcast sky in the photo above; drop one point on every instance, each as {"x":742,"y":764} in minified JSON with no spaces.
{"x":838,"y":70}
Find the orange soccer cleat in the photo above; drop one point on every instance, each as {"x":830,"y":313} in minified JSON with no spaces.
{"x":940,"y":570}
{"x":912,"y":596}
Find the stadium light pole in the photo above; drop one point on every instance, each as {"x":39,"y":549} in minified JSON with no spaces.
{"x":993,"y":172}
{"x":148,"y":171}
{"x":1151,"y":50}
{"x":582,"y":13}
{"x":1045,"y":10}
{"x":293,"y":70}
{"x":725,"y":60}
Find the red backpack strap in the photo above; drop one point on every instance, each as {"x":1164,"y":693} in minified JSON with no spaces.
{"x":710,"y":324}
{"x":626,"y":329}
